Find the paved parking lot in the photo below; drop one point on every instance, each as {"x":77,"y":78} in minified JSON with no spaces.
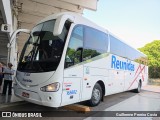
{"x":147,"y":100}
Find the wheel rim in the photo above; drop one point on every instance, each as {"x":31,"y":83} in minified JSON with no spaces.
{"x":96,"y":95}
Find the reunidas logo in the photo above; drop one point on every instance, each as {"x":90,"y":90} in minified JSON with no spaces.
{"x":123,"y":65}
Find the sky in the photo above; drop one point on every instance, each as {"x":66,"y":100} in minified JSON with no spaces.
{"x":137,"y":22}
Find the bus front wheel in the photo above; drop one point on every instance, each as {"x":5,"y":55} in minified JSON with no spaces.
{"x":96,"y":95}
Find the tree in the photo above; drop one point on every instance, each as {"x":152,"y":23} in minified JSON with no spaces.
{"x":152,"y":50}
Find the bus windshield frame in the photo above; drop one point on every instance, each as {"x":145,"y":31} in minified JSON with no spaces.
{"x":42,"y":52}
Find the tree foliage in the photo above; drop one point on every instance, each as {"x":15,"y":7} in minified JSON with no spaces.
{"x":152,"y":50}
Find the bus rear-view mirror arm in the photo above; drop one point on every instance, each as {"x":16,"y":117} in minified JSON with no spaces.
{"x":13,"y":36}
{"x":17,"y":32}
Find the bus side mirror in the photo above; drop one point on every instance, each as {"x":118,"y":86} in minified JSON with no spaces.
{"x":60,"y":21}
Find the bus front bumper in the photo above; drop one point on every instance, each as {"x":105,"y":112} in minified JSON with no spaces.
{"x":34,"y":97}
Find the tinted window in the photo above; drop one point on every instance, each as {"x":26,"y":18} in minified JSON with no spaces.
{"x":95,"y":43}
{"x":75,"y":47}
{"x":133,"y":54}
{"x":121,"y":49}
{"x":117,"y":46}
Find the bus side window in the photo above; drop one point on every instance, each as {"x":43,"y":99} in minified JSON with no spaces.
{"x":95,"y":43}
{"x":75,"y":47}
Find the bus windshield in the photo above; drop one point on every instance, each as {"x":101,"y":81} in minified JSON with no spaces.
{"x":42,"y":52}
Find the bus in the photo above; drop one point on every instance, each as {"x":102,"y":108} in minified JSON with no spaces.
{"x":69,"y":59}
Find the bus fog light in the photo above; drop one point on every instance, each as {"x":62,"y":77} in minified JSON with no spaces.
{"x":51,"y":87}
{"x":49,"y":98}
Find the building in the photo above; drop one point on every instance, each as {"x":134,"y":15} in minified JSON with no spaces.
{"x":20,"y":14}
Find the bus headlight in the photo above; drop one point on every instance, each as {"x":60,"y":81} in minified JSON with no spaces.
{"x":51,"y":87}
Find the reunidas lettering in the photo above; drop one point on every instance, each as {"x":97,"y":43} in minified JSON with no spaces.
{"x":123,"y":65}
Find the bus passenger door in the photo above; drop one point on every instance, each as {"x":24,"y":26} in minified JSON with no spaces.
{"x":73,"y":69}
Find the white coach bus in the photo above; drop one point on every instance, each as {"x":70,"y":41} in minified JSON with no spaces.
{"x":68,"y":59}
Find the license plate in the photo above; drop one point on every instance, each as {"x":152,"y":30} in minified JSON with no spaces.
{"x":24,"y":94}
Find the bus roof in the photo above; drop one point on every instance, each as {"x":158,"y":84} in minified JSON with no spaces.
{"x":79,"y":19}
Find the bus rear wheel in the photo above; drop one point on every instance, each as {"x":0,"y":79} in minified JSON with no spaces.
{"x":96,"y":95}
{"x":138,"y":90}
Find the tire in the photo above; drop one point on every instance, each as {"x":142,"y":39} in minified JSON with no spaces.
{"x":96,"y":95}
{"x":138,"y":90}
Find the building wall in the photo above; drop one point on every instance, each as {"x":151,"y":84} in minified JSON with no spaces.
{"x":26,"y":13}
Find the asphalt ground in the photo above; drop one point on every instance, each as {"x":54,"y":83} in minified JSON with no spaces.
{"x":149,"y":98}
